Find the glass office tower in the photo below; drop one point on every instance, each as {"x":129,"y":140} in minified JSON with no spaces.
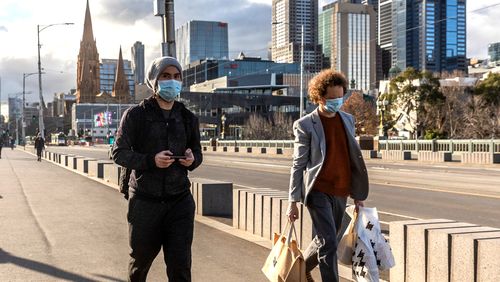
{"x":199,"y":40}
{"x":429,"y":34}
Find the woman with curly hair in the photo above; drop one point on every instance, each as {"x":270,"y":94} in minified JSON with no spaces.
{"x":326,"y":150}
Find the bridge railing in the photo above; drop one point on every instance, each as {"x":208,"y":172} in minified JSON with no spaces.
{"x":253,"y":143}
{"x":458,"y":146}
{"x":453,"y":146}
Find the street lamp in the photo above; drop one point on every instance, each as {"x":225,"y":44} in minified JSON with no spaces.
{"x":301,"y":107}
{"x":40,"y":28}
{"x":382,"y":104}
{"x":223,"y":120}
{"x":23,"y":117}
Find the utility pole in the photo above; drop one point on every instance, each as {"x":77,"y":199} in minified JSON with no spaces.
{"x":165,"y":9}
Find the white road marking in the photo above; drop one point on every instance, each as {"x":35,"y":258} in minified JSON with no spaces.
{"x":260,"y":164}
{"x":436,"y":190}
{"x":409,"y":170}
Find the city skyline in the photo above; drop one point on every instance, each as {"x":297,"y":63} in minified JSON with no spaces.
{"x":135,"y":22}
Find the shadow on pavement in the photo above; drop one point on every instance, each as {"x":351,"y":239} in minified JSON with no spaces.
{"x":6,"y":257}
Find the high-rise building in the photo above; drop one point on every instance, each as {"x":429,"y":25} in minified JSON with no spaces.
{"x":325,"y":33}
{"x":429,"y":34}
{"x":353,"y":46}
{"x":494,"y":51}
{"x":87,"y":76}
{"x":108,"y":75}
{"x":199,"y":40}
{"x":385,"y":35}
{"x":288,"y":18}
{"x":138,"y":61}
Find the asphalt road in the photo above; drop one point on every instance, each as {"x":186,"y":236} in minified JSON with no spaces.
{"x":397,"y":189}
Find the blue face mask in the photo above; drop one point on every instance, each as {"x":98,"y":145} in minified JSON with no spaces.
{"x":333,"y":105}
{"x":168,"y":90}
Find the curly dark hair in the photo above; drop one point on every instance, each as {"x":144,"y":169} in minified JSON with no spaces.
{"x":324,"y":79}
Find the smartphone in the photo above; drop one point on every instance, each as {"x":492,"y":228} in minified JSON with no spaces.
{"x":178,"y":157}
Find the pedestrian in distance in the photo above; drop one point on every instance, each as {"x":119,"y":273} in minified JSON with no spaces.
{"x":159,"y":142}
{"x":326,"y":150}
{"x":2,"y":137}
{"x":39,"y":146}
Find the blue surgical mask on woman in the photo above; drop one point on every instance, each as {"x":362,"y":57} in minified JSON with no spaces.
{"x":333,"y":105}
{"x":168,"y":90}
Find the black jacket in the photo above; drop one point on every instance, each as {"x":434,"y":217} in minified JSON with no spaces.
{"x":39,"y":143}
{"x":144,"y":132}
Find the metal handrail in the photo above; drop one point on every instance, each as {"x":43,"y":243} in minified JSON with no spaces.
{"x":451,"y":145}
{"x":458,"y":146}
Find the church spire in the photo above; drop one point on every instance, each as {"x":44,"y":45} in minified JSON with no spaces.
{"x":88,"y":34}
{"x":87,"y":73}
{"x":121,"y":89}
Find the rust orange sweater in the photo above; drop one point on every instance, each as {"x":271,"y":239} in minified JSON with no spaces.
{"x":335,"y":175}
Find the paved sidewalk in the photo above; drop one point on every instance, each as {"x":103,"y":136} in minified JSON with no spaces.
{"x":57,"y":225}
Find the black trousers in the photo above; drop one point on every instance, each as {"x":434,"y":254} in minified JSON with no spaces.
{"x":153,"y":225}
{"x":326,"y":214}
{"x":39,"y":153}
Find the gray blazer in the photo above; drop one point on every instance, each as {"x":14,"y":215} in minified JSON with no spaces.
{"x":309,"y":154}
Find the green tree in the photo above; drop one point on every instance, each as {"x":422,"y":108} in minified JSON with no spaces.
{"x":417,"y":95}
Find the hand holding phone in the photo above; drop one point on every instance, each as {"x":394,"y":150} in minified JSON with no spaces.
{"x":188,"y":158}
{"x":178,"y":157}
{"x":164,"y":159}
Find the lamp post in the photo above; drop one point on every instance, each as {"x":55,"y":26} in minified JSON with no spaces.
{"x":223,"y":121}
{"x":381,"y":107}
{"x":40,"y":28}
{"x":23,"y":117}
{"x":301,"y":106}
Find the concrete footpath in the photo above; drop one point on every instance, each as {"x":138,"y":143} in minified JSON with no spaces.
{"x":57,"y":225}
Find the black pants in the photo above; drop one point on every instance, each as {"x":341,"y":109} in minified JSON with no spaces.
{"x":326,"y":214}
{"x":153,"y":225}
{"x":39,"y":154}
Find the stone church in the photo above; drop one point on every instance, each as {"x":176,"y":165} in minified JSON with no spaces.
{"x":88,"y":72}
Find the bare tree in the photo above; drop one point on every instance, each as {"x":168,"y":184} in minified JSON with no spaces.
{"x":365,"y":113}
{"x":257,"y":127}
{"x":277,"y":127}
{"x":282,"y":126}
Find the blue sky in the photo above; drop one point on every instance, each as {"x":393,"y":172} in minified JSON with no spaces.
{"x":122,"y":22}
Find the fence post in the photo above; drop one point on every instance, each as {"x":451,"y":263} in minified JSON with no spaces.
{"x":416,"y":145}
{"x":470,"y":146}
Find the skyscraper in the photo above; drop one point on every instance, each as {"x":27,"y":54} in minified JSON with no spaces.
{"x":138,"y":61}
{"x":353,"y":42}
{"x":288,"y":17}
{"x":385,"y":34}
{"x":198,"y":40}
{"x":325,"y":33}
{"x":429,"y":35}
{"x":87,"y":76}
